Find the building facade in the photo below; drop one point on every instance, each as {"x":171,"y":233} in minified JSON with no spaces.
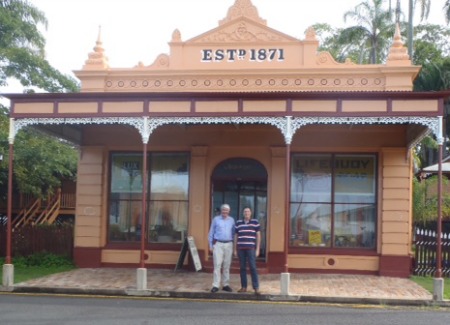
{"x":245,"y":115}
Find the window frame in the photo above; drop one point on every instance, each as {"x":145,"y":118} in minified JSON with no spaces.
{"x":135,"y":244}
{"x":366,"y":251}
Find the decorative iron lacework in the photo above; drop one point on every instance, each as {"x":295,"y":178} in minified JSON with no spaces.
{"x":287,"y":125}
{"x":432,"y":123}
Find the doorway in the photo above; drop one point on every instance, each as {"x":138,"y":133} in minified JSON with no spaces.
{"x":241,"y":182}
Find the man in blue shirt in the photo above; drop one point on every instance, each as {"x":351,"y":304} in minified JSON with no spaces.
{"x":247,"y":244}
{"x":220,"y":240}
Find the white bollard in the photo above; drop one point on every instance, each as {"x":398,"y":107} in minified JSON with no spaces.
{"x":438,"y":289}
{"x":141,"y":279}
{"x":8,"y":275}
{"x":285,"y":283}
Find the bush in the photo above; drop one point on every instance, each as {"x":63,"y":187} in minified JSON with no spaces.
{"x":43,"y":259}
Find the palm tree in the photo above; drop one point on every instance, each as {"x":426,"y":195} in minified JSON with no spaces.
{"x":373,"y":30}
{"x":447,"y":11}
{"x":424,"y":13}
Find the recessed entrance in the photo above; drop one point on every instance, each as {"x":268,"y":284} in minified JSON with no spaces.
{"x":241,"y":182}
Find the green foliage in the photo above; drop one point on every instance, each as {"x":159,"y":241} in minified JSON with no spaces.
{"x":329,"y":42}
{"x":430,"y":43}
{"x":44,"y":259}
{"x":425,"y":152}
{"x":371,"y":33}
{"x":434,"y":76}
{"x":40,"y":161}
{"x":22,"y":49}
{"x":425,"y":200}
{"x":38,"y":265}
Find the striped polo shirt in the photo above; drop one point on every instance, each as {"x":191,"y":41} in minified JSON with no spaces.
{"x":246,"y":233}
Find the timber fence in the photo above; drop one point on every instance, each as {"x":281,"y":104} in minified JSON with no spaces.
{"x":29,"y":240}
{"x":425,"y":241}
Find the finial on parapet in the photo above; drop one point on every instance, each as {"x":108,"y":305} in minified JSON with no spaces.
{"x":310,"y":34}
{"x":97,"y":59}
{"x":398,"y":54}
{"x":176,"y":36}
{"x":243,"y":8}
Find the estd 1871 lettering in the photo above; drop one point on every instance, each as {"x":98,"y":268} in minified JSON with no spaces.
{"x":252,"y":55}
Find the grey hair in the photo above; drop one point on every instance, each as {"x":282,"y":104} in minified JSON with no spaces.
{"x":225,"y":206}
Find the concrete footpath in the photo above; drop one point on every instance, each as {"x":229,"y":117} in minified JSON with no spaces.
{"x":350,"y":289}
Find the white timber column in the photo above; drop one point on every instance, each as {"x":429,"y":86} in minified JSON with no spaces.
{"x":141,"y":274}
{"x":285,"y":279}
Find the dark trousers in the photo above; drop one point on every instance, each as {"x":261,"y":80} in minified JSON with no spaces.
{"x":244,"y":256}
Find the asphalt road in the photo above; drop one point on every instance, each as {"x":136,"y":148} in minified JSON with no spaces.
{"x":70,"y":310}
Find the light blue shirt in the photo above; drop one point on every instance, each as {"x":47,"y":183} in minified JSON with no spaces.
{"x":221,"y":229}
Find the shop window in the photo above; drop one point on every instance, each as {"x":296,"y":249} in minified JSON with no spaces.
{"x":333,"y":201}
{"x":169,"y":197}
{"x":167,"y":201}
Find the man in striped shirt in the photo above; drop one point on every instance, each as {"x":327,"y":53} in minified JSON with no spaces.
{"x":246,"y":246}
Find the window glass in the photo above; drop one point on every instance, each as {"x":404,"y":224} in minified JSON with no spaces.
{"x":168,"y":221}
{"x":354,"y":179}
{"x":311,"y":224}
{"x":311,"y":178}
{"x":169,"y":184}
{"x":333,"y":201}
{"x":167,"y":202}
{"x":354,"y":226}
{"x":125,"y":197}
{"x":169,"y":176}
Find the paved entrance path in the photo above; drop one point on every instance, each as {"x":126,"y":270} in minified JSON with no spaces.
{"x":312,"y":285}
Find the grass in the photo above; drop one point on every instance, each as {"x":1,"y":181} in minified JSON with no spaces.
{"x":22,"y":274}
{"x":38,"y":265}
{"x":427,"y":283}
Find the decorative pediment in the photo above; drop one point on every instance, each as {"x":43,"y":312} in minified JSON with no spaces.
{"x":242,"y":30}
{"x":243,"y":54}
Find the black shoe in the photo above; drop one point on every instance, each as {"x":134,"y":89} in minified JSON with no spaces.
{"x":214,"y":289}
{"x":227,"y":289}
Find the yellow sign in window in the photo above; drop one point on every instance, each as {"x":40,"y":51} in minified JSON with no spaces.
{"x":315,"y":237}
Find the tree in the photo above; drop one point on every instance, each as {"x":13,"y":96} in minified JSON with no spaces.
{"x":430,"y":44}
{"x":22,"y":54}
{"x":434,"y":76}
{"x":447,"y":11}
{"x":424,"y":13}
{"x":328,"y":41}
{"x":40,"y":161}
{"x":372,"y":33}
{"x":425,"y":200}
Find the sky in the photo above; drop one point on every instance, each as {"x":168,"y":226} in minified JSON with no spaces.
{"x":139,"y":30}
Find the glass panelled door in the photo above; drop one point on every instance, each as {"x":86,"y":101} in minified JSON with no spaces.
{"x":245,"y":187}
